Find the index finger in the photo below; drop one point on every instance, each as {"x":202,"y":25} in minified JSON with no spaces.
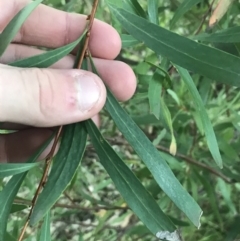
{"x":52,"y":28}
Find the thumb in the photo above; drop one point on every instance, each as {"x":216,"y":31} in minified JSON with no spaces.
{"x":48,"y":97}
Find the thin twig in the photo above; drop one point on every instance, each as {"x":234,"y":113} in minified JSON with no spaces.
{"x":89,"y":27}
{"x":42,"y":182}
{"x":74,"y":206}
{"x":196,"y":163}
{"x":68,"y":197}
{"x":183,"y":157}
{"x":56,"y":140}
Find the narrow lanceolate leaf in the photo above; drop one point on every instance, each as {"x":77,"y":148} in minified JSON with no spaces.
{"x":45,"y":234}
{"x":204,"y":60}
{"x":48,"y":58}
{"x":154,"y":94}
{"x":230,"y":35}
{"x":63,"y":170}
{"x":158,"y":107}
{"x":165,"y":117}
{"x":153,"y":11}
{"x":9,"y":192}
{"x":128,"y":41}
{"x":10,"y":169}
{"x":184,"y":7}
{"x":18,"y":207}
{"x":206,"y":123}
{"x":134,"y":7}
{"x":15,"y":24}
{"x":209,"y":189}
{"x":136,"y":196}
{"x":152,"y":159}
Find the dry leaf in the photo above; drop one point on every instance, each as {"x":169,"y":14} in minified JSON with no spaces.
{"x":220,"y":10}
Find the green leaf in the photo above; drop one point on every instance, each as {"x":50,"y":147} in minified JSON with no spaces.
{"x":136,"y":196}
{"x":63,"y":170}
{"x":154,"y":94}
{"x":45,"y":234}
{"x":159,"y":108}
{"x":10,"y":191}
{"x":15,"y":24}
{"x":226,"y":191}
{"x":116,"y":3}
{"x":134,"y":7}
{"x":230,"y":35}
{"x":17,"y":208}
{"x":211,"y":195}
{"x":9,"y":237}
{"x":184,"y":7}
{"x":204,"y":60}
{"x":48,"y":58}
{"x":166,"y":119}
{"x":152,"y":159}
{"x":128,"y":41}
{"x":153,"y":11}
{"x":234,"y":230}
{"x":206,"y":123}
{"x":174,"y":96}
{"x":11,"y":169}
{"x":167,"y":82}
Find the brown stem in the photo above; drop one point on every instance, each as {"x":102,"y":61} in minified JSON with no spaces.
{"x":183,"y":157}
{"x":42,"y":182}
{"x":89,"y":27}
{"x":196,"y":163}
{"x":56,"y":140}
{"x":204,"y":18}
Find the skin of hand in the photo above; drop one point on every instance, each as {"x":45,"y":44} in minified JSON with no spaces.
{"x":32,"y":100}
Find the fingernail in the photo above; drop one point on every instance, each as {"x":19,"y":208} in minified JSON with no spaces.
{"x":88,"y":92}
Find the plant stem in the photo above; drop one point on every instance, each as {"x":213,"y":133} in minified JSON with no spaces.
{"x":57,"y":138}
{"x":89,"y":27}
{"x":185,"y":158}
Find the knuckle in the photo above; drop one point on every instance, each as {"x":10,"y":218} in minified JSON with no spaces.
{"x":45,"y":93}
{"x":66,"y":39}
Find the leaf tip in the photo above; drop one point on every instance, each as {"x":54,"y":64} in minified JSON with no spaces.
{"x":199,"y":220}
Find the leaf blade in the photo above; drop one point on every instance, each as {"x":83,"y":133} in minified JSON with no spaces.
{"x":185,"y":6}
{"x":63,"y":170}
{"x":153,"y":11}
{"x":212,"y":63}
{"x":154,"y":94}
{"x":45,"y":234}
{"x":11,"y":169}
{"x":229,"y":35}
{"x":9,"y":192}
{"x":48,"y":58}
{"x":134,"y":7}
{"x":206,"y":123}
{"x":15,"y":24}
{"x":140,"y":201}
{"x":128,"y":41}
{"x":152,"y":159}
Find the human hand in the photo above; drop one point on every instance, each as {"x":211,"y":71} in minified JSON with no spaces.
{"x":33,"y":100}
